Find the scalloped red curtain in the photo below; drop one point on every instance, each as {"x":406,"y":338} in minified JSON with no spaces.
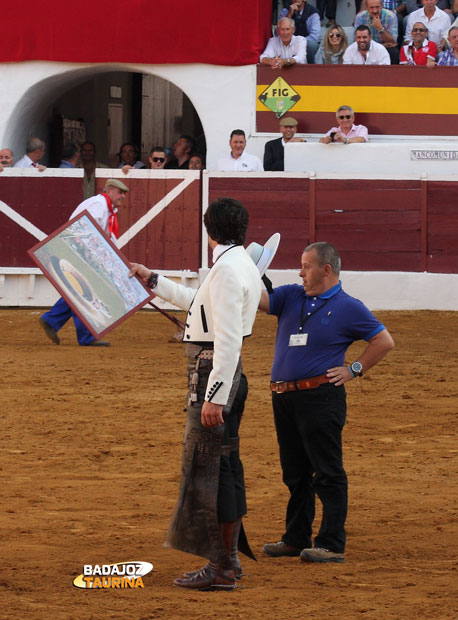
{"x":220,"y":32}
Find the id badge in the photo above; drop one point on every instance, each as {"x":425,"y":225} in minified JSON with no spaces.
{"x":298,"y":340}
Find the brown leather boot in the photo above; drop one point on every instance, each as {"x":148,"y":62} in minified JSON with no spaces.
{"x":210,"y":577}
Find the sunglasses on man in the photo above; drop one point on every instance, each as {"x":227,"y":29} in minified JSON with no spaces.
{"x":347,"y":116}
{"x":156,"y":159}
{"x":418,"y":29}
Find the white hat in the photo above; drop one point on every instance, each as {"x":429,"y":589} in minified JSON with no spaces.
{"x":263,"y":255}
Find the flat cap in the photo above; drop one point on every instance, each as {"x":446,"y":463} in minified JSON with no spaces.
{"x":118,"y":184}
{"x":288,"y":121}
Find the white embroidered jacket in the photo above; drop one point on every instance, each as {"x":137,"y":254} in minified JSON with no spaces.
{"x":222,"y":310}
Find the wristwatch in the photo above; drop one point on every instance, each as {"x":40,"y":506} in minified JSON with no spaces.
{"x":357,"y":369}
{"x":381,"y":30}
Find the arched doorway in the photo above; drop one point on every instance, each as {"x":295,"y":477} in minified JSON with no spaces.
{"x":106,"y":105}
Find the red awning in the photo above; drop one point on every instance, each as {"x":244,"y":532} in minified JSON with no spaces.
{"x":223,"y":32}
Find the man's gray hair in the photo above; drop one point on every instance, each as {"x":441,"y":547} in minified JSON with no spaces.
{"x":345,"y":107}
{"x":287,"y":19}
{"x":33,"y":144}
{"x":326,"y":254}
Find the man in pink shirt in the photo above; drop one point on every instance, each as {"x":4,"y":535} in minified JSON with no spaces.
{"x":346,"y":132}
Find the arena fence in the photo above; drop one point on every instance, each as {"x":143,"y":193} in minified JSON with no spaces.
{"x":379,"y":226}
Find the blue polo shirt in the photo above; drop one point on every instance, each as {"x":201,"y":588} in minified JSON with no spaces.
{"x":332,"y":322}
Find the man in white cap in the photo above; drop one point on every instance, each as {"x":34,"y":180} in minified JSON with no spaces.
{"x":103,"y":209}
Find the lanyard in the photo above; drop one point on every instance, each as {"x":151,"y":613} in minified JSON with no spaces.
{"x":304,"y":319}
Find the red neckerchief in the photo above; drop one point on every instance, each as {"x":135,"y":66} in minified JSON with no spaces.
{"x":113,"y":226}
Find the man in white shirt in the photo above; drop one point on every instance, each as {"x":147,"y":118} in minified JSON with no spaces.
{"x":34,"y":151}
{"x":286,"y":49}
{"x":239,"y":160}
{"x":437,"y":21}
{"x":365,"y":51}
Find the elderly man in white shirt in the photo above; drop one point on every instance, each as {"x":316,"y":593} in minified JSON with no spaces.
{"x":239,"y":160}
{"x":286,"y":49}
{"x":365,"y":51}
{"x":34,"y":151}
{"x":436,"y":20}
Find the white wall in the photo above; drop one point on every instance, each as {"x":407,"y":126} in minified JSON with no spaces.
{"x":224,"y":97}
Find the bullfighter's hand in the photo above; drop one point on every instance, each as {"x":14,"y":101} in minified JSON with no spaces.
{"x":211,"y":415}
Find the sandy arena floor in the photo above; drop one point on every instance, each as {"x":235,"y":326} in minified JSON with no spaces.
{"x":90,"y":458}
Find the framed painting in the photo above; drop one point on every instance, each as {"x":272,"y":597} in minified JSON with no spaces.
{"x":91,"y":274}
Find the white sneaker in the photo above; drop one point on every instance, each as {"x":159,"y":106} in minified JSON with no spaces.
{"x":318,"y":554}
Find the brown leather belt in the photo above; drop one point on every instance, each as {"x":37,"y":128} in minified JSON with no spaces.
{"x":300,"y":384}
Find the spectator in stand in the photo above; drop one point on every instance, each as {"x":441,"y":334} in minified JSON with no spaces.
{"x":398,"y":7}
{"x":34,"y":151}
{"x":286,"y":49}
{"x":70,"y":156}
{"x":346,"y":132}
{"x":182,"y":150}
{"x":196,"y":162}
{"x":129,"y":157}
{"x":274,"y":150}
{"x":157,"y":158}
{"x":307,"y":21}
{"x":364,"y":51}
{"x":89,"y":163}
{"x":448,"y":6}
{"x":332,"y":47}
{"x":6,"y":159}
{"x":437,"y":21}
{"x":419,"y":51}
{"x":383,"y":25}
{"x":450,"y":57}
{"x":239,"y":160}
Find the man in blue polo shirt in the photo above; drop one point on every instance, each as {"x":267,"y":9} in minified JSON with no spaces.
{"x":317,"y":322}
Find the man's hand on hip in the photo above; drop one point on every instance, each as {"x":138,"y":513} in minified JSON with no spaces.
{"x":339,"y":375}
{"x":211,"y":415}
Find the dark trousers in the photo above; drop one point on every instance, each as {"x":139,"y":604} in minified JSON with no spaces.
{"x":60,"y":313}
{"x":309,"y":427}
{"x":328,"y":6}
{"x":231,"y":490}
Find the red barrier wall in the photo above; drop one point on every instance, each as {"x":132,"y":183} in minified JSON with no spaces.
{"x":381,"y":225}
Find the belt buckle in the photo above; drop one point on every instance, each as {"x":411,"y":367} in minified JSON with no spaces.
{"x":282,"y":387}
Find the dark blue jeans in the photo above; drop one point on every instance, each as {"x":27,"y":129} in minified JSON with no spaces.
{"x":60,"y":313}
{"x":309,"y":427}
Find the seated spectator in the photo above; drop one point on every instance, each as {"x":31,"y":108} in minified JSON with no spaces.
{"x":70,"y":156}
{"x":364,"y":51}
{"x":239,"y":160}
{"x":196,"y":162}
{"x":398,"y":7}
{"x":129,"y":157}
{"x":157,"y":158}
{"x":444,"y":5}
{"x":182,"y":150}
{"x":333,"y":47}
{"x":89,"y":163}
{"x":6,"y":159}
{"x":286,"y":49}
{"x":34,"y":151}
{"x":437,"y":21}
{"x":274,"y":150}
{"x":419,"y":51}
{"x":383,"y":25}
{"x":449,"y":58}
{"x":306,"y":18}
{"x":346,"y":132}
